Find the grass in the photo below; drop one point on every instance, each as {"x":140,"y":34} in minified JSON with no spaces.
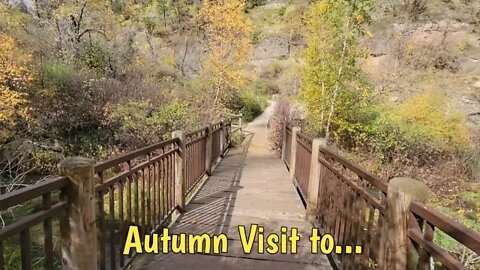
{"x":453,"y":246}
{"x":269,"y":21}
{"x":12,"y":252}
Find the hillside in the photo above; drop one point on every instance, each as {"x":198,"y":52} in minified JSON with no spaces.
{"x":392,"y":85}
{"x":421,"y":65}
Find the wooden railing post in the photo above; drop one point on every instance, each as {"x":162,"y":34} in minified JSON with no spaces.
{"x":228,"y":131}
{"x":293,"y":155}
{"x":402,"y":192}
{"x":240,"y":122}
{"x":180,"y":161}
{"x":223,"y":137}
{"x":284,"y":138}
{"x":79,"y":238}
{"x":208,"y":152}
{"x":315,"y":180}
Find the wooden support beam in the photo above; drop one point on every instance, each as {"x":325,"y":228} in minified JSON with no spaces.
{"x":223,"y":138}
{"x":180,"y":166}
{"x":315,"y":179}
{"x":284,"y":138}
{"x":208,"y":152}
{"x":293,"y":155}
{"x":240,"y":122}
{"x":402,"y":192}
{"x":79,"y":245}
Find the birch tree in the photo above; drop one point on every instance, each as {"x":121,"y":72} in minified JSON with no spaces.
{"x":227,"y":33}
{"x":332,"y":87}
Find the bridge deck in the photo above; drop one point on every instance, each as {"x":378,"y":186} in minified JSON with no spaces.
{"x":250,"y":186}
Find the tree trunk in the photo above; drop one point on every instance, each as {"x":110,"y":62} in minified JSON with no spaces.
{"x":337,"y":83}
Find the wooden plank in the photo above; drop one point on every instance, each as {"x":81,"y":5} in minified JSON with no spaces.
{"x":26,"y":222}
{"x":457,"y":231}
{"x":2,"y":258}
{"x":104,"y":165}
{"x":111,"y":224}
{"x":441,"y":255}
{"x":47,"y":234}
{"x":25,"y":250}
{"x":23,"y":195}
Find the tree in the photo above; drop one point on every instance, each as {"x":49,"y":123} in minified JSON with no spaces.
{"x":332,"y":87}
{"x":228,"y":38}
{"x":163,"y":7}
{"x":15,"y":78}
{"x":77,"y":21}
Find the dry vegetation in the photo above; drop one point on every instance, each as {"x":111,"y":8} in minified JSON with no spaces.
{"x":406,"y":102}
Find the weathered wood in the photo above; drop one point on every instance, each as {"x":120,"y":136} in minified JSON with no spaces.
{"x":402,"y":192}
{"x":208,"y":152}
{"x":180,"y":160}
{"x":240,"y":122}
{"x":293,"y":156}
{"x":47,"y":230}
{"x":314,"y":182}
{"x":79,"y":246}
{"x":284,"y":138}
{"x":223,"y":137}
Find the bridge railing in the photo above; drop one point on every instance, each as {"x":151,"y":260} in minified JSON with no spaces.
{"x":90,"y":208}
{"x":49,"y":197}
{"x":137,"y":188}
{"x":356,"y":208}
{"x":196,"y":151}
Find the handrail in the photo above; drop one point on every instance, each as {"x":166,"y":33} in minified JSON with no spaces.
{"x":457,"y":231}
{"x":139,"y":187}
{"x":357,"y":169}
{"x":52,"y":208}
{"x":22,"y":195}
{"x":351,"y":205}
{"x":102,"y":166}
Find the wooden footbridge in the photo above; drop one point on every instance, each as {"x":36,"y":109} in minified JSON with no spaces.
{"x":195,"y":184}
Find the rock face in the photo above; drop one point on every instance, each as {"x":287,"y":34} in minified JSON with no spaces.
{"x":272,"y":47}
{"x":189,"y":53}
{"x":477,"y":85}
{"x":470,"y":64}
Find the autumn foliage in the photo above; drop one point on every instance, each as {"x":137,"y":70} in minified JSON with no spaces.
{"x":15,"y":78}
{"x":228,"y":40}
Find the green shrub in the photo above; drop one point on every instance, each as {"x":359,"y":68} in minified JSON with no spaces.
{"x":249,"y":101}
{"x":424,"y":129}
{"x":432,"y":116}
{"x":252,"y":105}
{"x":139,"y":123}
{"x":237,"y":138}
{"x":95,"y":56}
{"x":176,"y":115}
{"x":254,"y":99}
{"x":453,"y":246}
{"x":250,"y":4}
{"x":55,"y":73}
{"x":472,"y":164}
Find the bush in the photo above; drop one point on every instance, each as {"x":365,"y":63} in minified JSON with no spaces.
{"x":95,"y":57}
{"x":426,"y":56}
{"x":253,"y":104}
{"x":139,"y":123}
{"x":415,"y":8}
{"x":237,"y":138}
{"x":432,"y":116}
{"x":250,"y":4}
{"x":281,"y":113}
{"x":249,"y":101}
{"x":472,"y":164}
{"x":422,"y":129}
